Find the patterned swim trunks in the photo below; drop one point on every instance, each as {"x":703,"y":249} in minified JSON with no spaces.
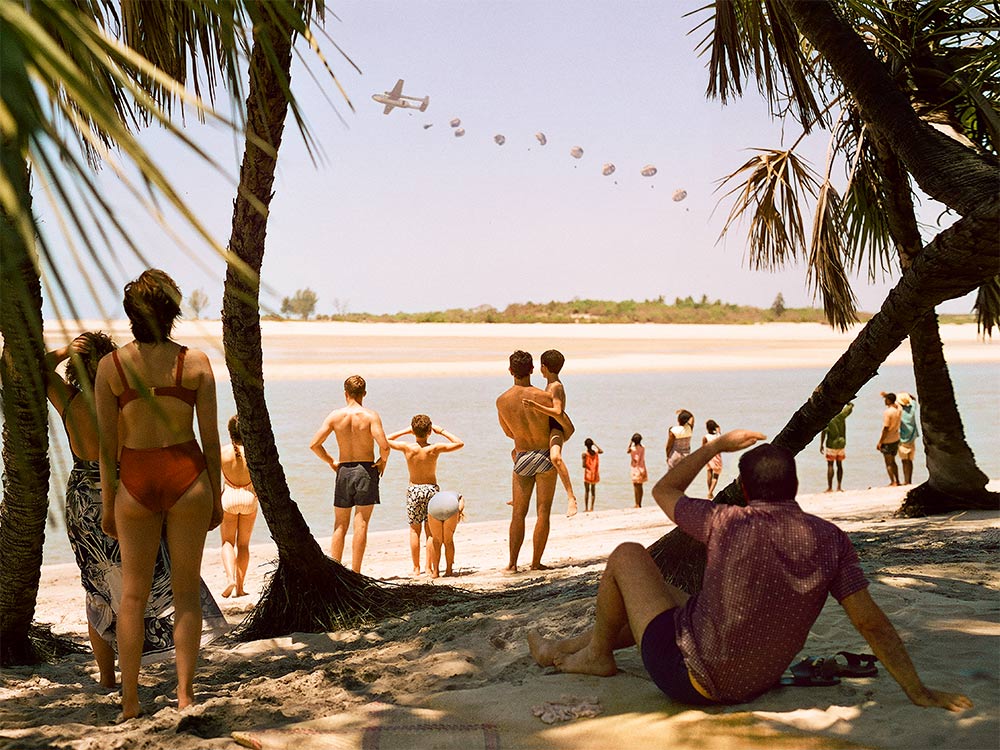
{"x":417,"y":497}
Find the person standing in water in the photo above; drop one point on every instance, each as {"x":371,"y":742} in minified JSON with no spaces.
{"x":637,"y":467}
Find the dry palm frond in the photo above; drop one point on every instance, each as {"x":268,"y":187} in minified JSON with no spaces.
{"x":826,"y":268}
{"x":775,"y":183}
{"x":750,"y":37}
{"x":987,"y":307}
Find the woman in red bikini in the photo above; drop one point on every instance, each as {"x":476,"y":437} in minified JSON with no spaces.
{"x":155,"y":476}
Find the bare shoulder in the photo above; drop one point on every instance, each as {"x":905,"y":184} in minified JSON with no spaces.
{"x":556,"y":388}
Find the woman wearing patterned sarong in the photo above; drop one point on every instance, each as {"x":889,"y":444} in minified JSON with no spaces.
{"x":679,"y":438}
{"x":97,"y":554}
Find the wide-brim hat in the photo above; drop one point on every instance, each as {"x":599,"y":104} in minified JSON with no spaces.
{"x":904,"y":399}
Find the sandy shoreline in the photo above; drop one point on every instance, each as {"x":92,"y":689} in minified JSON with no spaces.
{"x":468,"y":666}
{"x":310,"y":350}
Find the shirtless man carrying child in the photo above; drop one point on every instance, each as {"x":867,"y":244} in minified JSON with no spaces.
{"x":560,"y":427}
{"x":533,"y":468}
{"x":357,"y":430}
{"x":421,"y":461}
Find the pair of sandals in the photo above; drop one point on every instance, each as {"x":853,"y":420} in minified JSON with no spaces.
{"x":819,"y":671}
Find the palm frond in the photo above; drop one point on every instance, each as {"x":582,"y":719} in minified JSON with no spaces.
{"x":757,"y":38}
{"x":826,"y":273}
{"x":774,"y":183}
{"x":987,"y":307}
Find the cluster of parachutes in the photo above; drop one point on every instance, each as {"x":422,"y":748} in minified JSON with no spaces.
{"x":576,"y":152}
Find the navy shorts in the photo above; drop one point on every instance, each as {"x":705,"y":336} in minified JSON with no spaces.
{"x":665,"y":664}
{"x":357,"y":484}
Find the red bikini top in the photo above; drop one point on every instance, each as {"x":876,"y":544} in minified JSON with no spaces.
{"x":187,"y":395}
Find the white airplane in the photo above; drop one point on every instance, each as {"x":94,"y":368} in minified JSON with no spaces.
{"x":395,"y":98}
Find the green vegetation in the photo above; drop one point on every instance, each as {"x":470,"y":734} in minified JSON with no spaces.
{"x":686,"y":310}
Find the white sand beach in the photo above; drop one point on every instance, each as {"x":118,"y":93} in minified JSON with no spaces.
{"x":461,"y":675}
{"x":316,"y":349}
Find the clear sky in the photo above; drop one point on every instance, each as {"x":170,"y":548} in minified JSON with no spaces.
{"x":397,"y":217}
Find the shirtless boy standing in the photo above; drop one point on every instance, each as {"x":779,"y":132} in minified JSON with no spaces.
{"x":533,"y":469}
{"x":560,"y":427}
{"x":421,"y":461}
{"x":357,"y":430}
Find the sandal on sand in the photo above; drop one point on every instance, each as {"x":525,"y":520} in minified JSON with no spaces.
{"x":812,"y":672}
{"x":858,"y":665}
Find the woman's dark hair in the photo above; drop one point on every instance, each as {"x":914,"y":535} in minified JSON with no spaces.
{"x":637,"y":439}
{"x":82,"y":368}
{"x":589,"y":445}
{"x":712,"y":426}
{"x":152,"y":303}
{"x":234,"y":434}
{"x":684,"y":416}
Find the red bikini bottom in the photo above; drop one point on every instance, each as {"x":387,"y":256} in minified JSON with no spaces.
{"x":158,"y":477}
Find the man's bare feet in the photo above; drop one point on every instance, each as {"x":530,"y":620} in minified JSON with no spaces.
{"x":827,"y":490}
{"x":510,"y":569}
{"x":240,"y":593}
{"x":543,"y":650}
{"x":228,"y":591}
{"x":130,"y":710}
{"x":540,"y":566}
{"x":584,"y":662}
{"x":571,"y":508}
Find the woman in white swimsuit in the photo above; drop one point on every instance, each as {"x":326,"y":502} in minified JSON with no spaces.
{"x":239,"y":506}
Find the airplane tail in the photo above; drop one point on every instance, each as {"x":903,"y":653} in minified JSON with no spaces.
{"x":423,"y":105}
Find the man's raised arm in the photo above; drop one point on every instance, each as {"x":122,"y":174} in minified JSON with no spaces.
{"x":673,"y":484}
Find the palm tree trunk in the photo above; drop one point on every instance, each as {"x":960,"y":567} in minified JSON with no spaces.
{"x":958,"y":260}
{"x":308,"y":592}
{"x":946,"y":170}
{"x":955,"y":482}
{"x":24,"y":508}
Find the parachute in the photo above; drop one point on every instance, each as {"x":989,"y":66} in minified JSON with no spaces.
{"x":576,"y":152}
{"x":679,"y":195}
{"x":459,"y":132}
{"x":455,"y":123}
{"x":428,"y":125}
{"x":499,"y":139}
{"x":648,"y":171}
{"x":607,"y":169}
{"x":542,"y":140}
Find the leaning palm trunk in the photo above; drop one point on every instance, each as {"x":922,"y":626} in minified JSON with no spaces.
{"x":24,"y":508}
{"x":308,"y":592}
{"x":957,"y":261}
{"x":954,"y":481}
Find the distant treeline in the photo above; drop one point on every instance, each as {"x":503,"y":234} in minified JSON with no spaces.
{"x":686,"y":310}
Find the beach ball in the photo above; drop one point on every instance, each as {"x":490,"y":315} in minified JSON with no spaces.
{"x":576,"y":152}
{"x":443,"y":505}
{"x":459,"y":132}
{"x":499,"y":139}
{"x":648,"y":171}
{"x":455,"y":123}
{"x":680,"y":195}
{"x":607,"y":169}
{"x":541,"y":138}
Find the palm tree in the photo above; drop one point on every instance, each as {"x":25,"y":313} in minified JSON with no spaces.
{"x":876,"y":218}
{"x":308,"y":591}
{"x":960,"y":259}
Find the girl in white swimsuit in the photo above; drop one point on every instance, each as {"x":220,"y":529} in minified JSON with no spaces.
{"x":239,"y":505}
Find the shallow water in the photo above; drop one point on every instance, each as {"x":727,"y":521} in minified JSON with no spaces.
{"x":607,"y":408}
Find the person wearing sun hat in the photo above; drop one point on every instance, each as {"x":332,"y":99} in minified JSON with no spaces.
{"x":908,"y":433}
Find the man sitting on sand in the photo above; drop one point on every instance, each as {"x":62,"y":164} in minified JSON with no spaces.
{"x":768,"y":571}
{"x":421,"y":462}
{"x":533,"y":469}
{"x":357,"y":430}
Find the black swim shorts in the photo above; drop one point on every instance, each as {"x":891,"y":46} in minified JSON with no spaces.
{"x":357,"y":484}
{"x":665,"y":664}
{"x":890,"y":449}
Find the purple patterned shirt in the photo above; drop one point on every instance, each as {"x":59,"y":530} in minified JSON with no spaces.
{"x":770,"y":567}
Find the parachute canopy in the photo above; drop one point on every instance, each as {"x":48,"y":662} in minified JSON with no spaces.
{"x":540,"y":137}
{"x":576,"y":152}
{"x":679,"y":195}
{"x":648,"y":171}
{"x":459,"y":132}
{"x":455,"y":123}
{"x":499,"y":139}
{"x":607,"y":169}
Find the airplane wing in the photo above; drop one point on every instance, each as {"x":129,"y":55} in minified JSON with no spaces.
{"x":388,"y":109}
{"x":397,"y":90}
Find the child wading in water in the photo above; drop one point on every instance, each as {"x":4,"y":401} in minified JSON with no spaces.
{"x":714,"y":467}
{"x":591,"y":473}
{"x":637,"y":467}
{"x":421,"y":461}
